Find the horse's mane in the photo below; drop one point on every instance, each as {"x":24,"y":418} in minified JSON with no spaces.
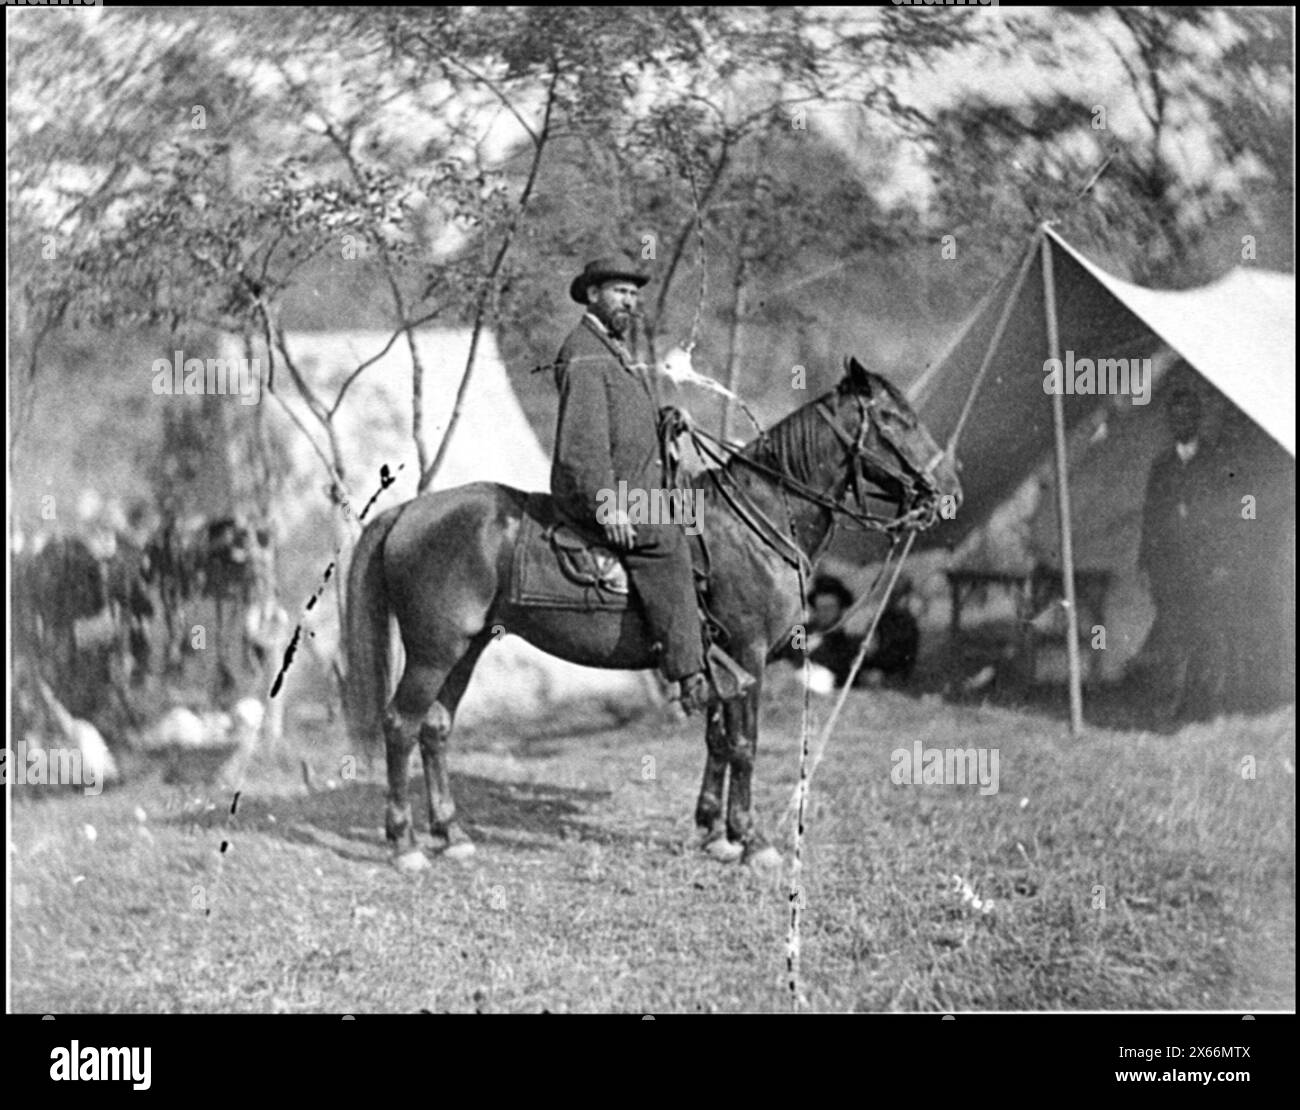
{"x":791,"y":444}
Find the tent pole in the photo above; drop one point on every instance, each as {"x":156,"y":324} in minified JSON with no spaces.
{"x":1063,"y":496}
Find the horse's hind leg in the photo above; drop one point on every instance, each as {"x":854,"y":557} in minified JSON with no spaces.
{"x":403,"y":719}
{"x":435,"y":733}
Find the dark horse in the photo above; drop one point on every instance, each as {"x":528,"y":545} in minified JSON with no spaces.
{"x":441,"y":565}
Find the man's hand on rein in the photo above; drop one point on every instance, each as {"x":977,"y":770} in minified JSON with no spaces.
{"x":673,"y":422}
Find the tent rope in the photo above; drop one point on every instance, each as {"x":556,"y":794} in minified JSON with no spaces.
{"x":793,"y":941}
{"x":798,"y":800}
{"x":994,"y":342}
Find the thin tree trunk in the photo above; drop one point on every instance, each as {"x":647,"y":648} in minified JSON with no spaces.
{"x":488,"y":290}
{"x":679,"y":249}
{"x":733,"y":342}
{"x":274,"y":639}
{"x":417,"y":403}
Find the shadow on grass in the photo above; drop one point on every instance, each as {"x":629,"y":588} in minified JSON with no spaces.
{"x":551,"y":735}
{"x":349,"y":820}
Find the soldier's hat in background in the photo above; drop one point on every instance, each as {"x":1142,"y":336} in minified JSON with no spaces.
{"x":614,"y":268}
{"x":829,"y":584}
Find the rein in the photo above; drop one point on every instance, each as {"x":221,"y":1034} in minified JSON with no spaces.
{"x":764,"y":528}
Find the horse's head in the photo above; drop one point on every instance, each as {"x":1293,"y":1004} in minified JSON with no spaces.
{"x":890,"y":447}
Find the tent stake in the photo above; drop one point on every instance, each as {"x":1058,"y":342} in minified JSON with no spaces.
{"x":1063,"y":496}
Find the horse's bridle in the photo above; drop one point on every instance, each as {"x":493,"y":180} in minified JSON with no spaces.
{"x":918,"y":508}
{"x":919,"y":505}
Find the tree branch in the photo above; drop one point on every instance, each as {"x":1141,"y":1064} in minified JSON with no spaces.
{"x":428,"y":475}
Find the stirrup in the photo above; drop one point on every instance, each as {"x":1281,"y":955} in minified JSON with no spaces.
{"x":729,"y":678}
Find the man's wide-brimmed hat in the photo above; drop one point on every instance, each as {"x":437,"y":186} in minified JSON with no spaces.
{"x":618,"y":267}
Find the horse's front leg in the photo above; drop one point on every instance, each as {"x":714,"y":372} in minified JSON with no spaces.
{"x":742,"y":738}
{"x":225,"y":679}
{"x":174,"y":622}
{"x":708,"y":810}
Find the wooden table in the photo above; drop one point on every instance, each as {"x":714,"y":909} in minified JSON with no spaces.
{"x":1033,"y":590}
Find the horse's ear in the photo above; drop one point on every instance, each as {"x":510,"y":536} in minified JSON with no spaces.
{"x":856,"y":376}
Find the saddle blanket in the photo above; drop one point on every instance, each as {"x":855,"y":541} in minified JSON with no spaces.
{"x":553,"y":567}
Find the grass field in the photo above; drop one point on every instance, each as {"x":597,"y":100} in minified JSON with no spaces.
{"x":588,"y":891}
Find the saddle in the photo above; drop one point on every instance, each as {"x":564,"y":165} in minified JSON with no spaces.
{"x":557,"y":567}
{"x":586,"y":563}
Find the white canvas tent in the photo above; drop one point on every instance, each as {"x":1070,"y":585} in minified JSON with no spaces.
{"x":987,"y":389}
{"x":492,"y":441}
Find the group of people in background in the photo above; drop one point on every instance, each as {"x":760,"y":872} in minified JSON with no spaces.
{"x":111,"y":597}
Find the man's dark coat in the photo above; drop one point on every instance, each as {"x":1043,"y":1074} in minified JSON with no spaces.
{"x":607,"y":432}
{"x":607,"y":427}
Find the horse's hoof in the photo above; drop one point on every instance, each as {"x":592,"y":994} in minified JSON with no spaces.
{"x":461,"y":852}
{"x":411,"y":861}
{"x":766,"y":858}
{"x":723,"y":850}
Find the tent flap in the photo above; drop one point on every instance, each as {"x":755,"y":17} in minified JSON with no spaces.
{"x":1237,"y":333}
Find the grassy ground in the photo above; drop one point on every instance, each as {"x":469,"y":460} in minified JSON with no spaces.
{"x":588,"y":893}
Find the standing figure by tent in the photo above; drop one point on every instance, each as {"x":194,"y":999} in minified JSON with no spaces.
{"x":1179,"y":553}
{"x":607,"y":433}
{"x":1251,"y":595}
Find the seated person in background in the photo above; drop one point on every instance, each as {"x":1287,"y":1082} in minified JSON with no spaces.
{"x":891,"y":656}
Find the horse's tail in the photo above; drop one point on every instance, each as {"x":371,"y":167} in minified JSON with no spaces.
{"x":367,"y":633}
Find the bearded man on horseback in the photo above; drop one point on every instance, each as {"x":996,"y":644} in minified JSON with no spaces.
{"x":607,"y":432}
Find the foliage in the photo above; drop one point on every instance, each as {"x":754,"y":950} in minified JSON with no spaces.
{"x":201,"y":170}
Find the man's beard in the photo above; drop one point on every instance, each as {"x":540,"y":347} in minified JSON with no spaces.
{"x":629,"y":330}
{"x":619,"y":322}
